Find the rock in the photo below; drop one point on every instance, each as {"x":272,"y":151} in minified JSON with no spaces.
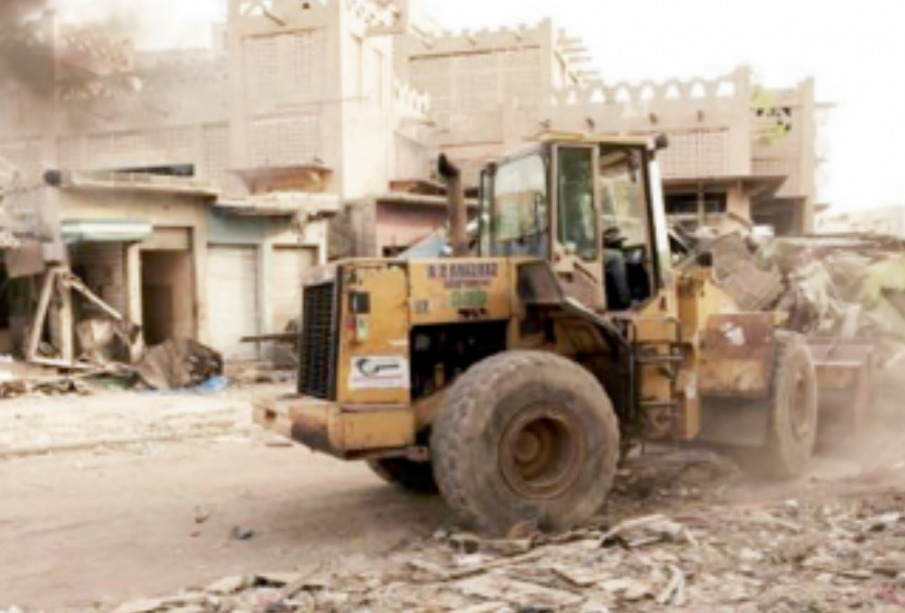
{"x":192,"y":608}
{"x":488,"y":607}
{"x":505,"y":547}
{"x":227,"y":586}
{"x":750,"y":555}
{"x":523,"y":530}
{"x":331,"y":600}
{"x":242,"y":534}
{"x":465,"y":542}
{"x":201,"y":515}
{"x":882,"y":523}
{"x":636,"y":591}
{"x":627,"y":589}
{"x":277,"y":579}
{"x":186,"y":598}
{"x":141,"y":606}
{"x":891,"y":565}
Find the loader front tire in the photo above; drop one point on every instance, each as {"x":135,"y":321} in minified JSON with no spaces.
{"x":409,"y":475}
{"x":525,"y":437}
{"x":792,"y":415}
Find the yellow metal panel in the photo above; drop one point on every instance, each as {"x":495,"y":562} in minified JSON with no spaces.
{"x":327,"y":427}
{"x":460,"y":290}
{"x":374,"y":345}
{"x":375,"y":429}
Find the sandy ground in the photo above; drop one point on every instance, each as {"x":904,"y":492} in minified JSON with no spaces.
{"x":107,"y":518}
{"x":78,"y":529}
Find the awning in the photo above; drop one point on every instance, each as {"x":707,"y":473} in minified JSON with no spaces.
{"x":106,"y":230}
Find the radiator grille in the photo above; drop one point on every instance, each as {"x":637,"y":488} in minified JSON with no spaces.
{"x":317,"y":342}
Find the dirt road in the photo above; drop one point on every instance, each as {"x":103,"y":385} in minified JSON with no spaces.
{"x":81,"y":529}
{"x":159,"y":509}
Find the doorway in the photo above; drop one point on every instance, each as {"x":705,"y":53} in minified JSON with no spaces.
{"x":167,"y":296}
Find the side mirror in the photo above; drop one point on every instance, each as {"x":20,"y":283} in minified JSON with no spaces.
{"x":661,"y":142}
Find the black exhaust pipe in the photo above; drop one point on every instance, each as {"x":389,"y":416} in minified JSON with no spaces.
{"x":458,"y":217}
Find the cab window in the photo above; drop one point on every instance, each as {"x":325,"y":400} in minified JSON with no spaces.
{"x":622,"y":198}
{"x":520,"y":216}
{"x":625,"y":224}
{"x":577,"y":219}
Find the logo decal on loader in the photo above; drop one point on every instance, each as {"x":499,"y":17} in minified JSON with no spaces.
{"x":378,"y":372}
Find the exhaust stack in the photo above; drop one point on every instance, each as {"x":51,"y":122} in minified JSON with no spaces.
{"x":458,"y":218}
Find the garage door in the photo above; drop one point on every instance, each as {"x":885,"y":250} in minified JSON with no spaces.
{"x":232,"y":300}
{"x":288,"y":265}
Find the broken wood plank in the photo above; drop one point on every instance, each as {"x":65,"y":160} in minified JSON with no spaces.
{"x":629,"y":525}
{"x":581,"y":577}
{"x":517,"y":592}
{"x":674,"y":593}
{"x":487,"y":607}
{"x":430,"y":568}
{"x":37,"y":324}
{"x":495,"y":564}
{"x":73,"y":282}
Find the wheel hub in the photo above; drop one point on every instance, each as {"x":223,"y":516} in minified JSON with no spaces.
{"x":541,"y":451}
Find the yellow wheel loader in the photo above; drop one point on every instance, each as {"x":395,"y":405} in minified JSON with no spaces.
{"x":514,"y":373}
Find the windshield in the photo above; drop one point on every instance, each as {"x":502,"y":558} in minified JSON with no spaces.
{"x":622,"y":198}
{"x":577,"y":226}
{"x":520,"y":208}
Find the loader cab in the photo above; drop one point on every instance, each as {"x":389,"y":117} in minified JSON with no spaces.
{"x":593,"y":209}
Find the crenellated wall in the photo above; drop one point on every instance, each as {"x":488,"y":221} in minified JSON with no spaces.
{"x":708,"y":120}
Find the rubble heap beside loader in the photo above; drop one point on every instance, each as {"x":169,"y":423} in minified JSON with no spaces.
{"x":514,"y":374}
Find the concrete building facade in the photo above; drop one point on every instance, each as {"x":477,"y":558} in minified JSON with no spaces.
{"x":735,"y":147}
{"x":196,"y":185}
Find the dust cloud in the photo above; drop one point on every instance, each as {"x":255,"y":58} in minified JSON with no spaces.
{"x":27,"y":31}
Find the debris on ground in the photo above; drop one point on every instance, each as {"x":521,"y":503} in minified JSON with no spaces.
{"x":104,"y":344}
{"x":783,"y":556}
{"x":179,"y":364}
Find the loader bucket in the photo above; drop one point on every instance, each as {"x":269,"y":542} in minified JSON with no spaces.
{"x":845,"y":382}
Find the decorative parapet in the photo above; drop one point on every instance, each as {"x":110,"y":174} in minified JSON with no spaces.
{"x":731,"y":86}
{"x":280,"y":13}
{"x":574,"y":55}
{"x":410,"y":100}
{"x":468,"y":41}
{"x":385,"y":15}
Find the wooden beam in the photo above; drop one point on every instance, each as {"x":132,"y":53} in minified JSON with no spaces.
{"x":37,"y":329}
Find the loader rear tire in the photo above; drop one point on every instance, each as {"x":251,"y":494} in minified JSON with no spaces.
{"x":792,"y":419}
{"x":525,"y":436}
{"x":412,"y":476}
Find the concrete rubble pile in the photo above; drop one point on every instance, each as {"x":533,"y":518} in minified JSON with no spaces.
{"x":839,"y":287}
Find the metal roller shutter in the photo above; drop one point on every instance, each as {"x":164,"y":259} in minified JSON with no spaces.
{"x":288,"y":265}
{"x":232,"y":300}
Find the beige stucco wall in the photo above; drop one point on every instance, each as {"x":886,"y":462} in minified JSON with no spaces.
{"x":161,"y":211}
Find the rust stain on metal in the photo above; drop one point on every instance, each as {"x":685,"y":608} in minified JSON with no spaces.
{"x":738,"y":356}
